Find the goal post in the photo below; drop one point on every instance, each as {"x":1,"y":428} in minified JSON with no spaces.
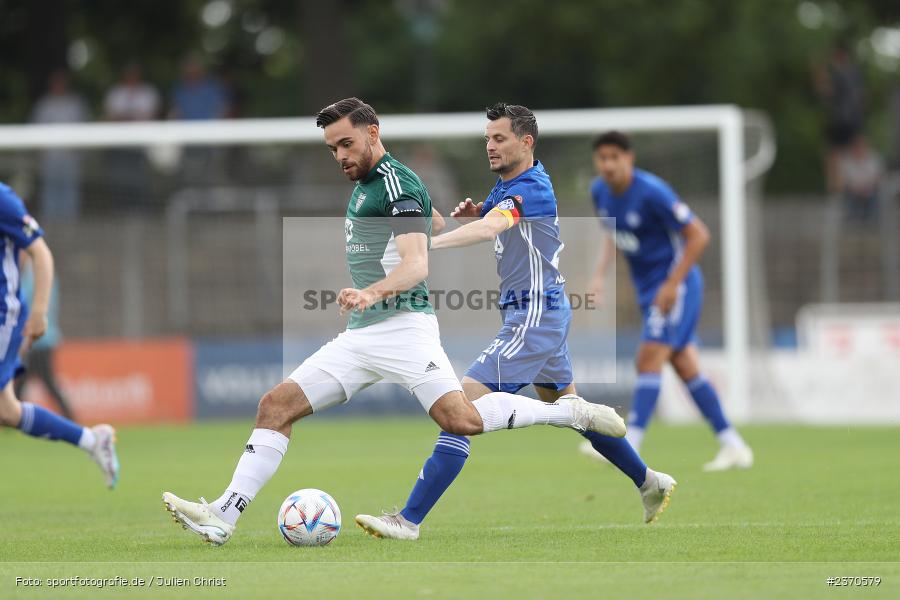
{"x":727,"y":123}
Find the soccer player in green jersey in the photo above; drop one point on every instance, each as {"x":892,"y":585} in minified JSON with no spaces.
{"x":392,"y":334}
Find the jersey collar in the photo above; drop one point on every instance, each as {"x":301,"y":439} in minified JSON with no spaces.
{"x":374,"y":172}
{"x":536,"y":167}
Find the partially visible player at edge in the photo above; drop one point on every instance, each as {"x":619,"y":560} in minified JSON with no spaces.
{"x":392,"y":334}
{"x":520,"y":217}
{"x":662,"y":240}
{"x":20,"y":232}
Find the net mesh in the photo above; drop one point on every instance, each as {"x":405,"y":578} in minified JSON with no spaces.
{"x":158,"y":240}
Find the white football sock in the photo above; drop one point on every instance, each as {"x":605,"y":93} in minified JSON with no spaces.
{"x":500,"y":410}
{"x":88,"y":440}
{"x":257,"y":465}
{"x":229,"y":506}
{"x":635,"y":436}
{"x":730,"y":437}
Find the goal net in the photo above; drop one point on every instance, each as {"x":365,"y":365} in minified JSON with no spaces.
{"x":188,"y":228}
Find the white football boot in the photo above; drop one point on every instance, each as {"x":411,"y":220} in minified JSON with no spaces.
{"x":392,"y":526}
{"x":656,"y":494}
{"x":731,"y":456}
{"x":104,"y":453}
{"x":593,"y":417}
{"x":198,"y":518}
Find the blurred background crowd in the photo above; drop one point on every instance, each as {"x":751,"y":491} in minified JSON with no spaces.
{"x":825,"y":71}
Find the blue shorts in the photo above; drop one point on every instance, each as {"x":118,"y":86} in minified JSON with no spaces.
{"x":678,"y":328}
{"x":529,"y":349}
{"x":10,"y":343}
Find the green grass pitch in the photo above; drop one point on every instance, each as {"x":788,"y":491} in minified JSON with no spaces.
{"x":528,"y":517}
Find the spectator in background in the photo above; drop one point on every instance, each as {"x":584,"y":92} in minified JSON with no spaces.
{"x":840,"y":85}
{"x":860,"y":171}
{"x":198,"y":96}
{"x":131,"y":99}
{"x":60,"y":167}
{"x":39,"y":359}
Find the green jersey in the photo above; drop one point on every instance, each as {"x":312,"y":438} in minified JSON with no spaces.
{"x":390,"y":189}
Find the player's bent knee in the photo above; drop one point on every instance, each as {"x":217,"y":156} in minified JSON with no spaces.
{"x":281,"y":406}
{"x":455,"y":415}
{"x":646,"y":365}
{"x":651,"y":359}
{"x":462,"y":427}
{"x":685,"y":372}
{"x":466,"y":421}
{"x":685,"y":364}
{"x":267,"y":413}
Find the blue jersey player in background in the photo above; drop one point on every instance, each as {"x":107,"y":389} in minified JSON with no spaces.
{"x":520,"y":217}
{"x":662,"y":240}
{"x":19,"y":329}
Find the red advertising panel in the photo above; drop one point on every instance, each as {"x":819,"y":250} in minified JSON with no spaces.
{"x":123,"y":381}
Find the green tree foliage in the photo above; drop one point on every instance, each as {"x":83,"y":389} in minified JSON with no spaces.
{"x":449,"y":55}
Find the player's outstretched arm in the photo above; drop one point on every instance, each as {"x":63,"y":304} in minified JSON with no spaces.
{"x":413,"y":268}
{"x":607,"y":256}
{"x":499,"y":219}
{"x":438,"y":224}
{"x":696,"y":238}
{"x":475,"y":232}
{"x":42,"y":265}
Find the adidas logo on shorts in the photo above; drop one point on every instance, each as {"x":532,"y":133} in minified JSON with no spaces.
{"x":431,"y":367}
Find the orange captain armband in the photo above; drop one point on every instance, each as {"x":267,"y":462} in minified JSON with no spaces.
{"x":511,"y":208}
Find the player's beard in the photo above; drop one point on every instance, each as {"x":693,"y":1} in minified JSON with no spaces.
{"x":362,"y":166}
{"x":504,"y":167}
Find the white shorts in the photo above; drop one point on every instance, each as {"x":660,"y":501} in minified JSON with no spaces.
{"x":404,"y":349}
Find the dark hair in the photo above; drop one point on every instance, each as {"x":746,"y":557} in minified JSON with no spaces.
{"x":521,"y":119}
{"x":613,"y":138}
{"x":359,"y":112}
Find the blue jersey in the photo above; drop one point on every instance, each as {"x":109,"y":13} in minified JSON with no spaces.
{"x":17,"y":231}
{"x":528,"y":253}
{"x":531,"y":345}
{"x":649,"y":218}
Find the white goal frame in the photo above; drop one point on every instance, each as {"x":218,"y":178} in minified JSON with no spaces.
{"x":727,"y":121}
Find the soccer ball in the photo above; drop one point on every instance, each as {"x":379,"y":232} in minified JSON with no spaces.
{"x":309,"y":517}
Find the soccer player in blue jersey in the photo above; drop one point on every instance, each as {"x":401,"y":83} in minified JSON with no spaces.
{"x":19,"y":328}
{"x":662,"y":240}
{"x":520,"y":217}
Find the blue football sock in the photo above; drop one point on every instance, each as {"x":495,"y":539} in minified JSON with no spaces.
{"x":441,"y":468}
{"x":40,"y":422}
{"x":646,"y":393}
{"x":707,"y":400}
{"x":620,"y":453}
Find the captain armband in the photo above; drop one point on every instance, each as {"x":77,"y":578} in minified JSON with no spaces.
{"x":511,"y":208}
